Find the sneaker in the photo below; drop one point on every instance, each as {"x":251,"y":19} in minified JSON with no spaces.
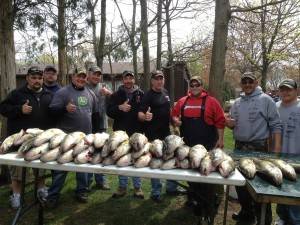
{"x":15,"y":200}
{"x":138,"y":193}
{"x":121,"y":192}
{"x":82,"y":197}
{"x":156,"y":198}
{"x":176,"y":192}
{"x":279,"y":221}
{"x":42,"y":194}
{"x":104,"y":186}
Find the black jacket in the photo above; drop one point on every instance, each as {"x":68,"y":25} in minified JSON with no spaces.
{"x":11,"y":108}
{"x":126,"y":121}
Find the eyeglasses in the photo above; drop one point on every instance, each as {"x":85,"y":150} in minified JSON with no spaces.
{"x":247,"y":81}
{"x":194,"y":85}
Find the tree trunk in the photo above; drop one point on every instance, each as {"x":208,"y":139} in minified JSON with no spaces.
{"x":217,"y":68}
{"x":134,"y":48}
{"x":159,"y":35}
{"x":91,"y":8}
{"x":145,"y":44}
{"x":62,"y":53}
{"x":102,"y":34}
{"x":263,"y":49}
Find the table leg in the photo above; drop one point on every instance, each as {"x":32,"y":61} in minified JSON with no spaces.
{"x":40,"y":204}
{"x":263,"y":213}
{"x":226,"y":204}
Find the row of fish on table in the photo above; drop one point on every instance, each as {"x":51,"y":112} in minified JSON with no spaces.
{"x":116,"y":149}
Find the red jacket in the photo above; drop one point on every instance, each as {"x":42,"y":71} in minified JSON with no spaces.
{"x":214,"y":114}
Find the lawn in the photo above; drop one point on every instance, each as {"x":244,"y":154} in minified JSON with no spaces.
{"x":103,"y":210}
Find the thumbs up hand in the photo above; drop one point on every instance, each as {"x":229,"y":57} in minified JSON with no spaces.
{"x":125,"y":107}
{"x":71,"y":107}
{"x":148,"y":114}
{"x":26,"y":108}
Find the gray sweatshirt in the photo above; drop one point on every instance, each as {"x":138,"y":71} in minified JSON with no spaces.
{"x":290,"y":119}
{"x":81,"y":119}
{"x":255,"y":116}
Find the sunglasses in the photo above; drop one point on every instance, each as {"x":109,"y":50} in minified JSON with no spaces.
{"x":247,"y":81}
{"x":194,"y":85}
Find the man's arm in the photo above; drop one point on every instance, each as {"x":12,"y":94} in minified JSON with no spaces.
{"x":220,"y":141}
{"x":10,"y":108}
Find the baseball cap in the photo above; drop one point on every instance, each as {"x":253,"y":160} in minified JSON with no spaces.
{"x":95,"y":69}
{"x":249,"y":75}
{"x":127,"y":73}
{"x":34,"y":70}
{"x":157,"y":73}
{"x":290,"y":83}
{"x":79,"y":70}
{"x":50,"y":68}
{"x":196,"y":78}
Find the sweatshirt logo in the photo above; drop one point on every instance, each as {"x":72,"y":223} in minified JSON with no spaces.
{"x":82,"y":101}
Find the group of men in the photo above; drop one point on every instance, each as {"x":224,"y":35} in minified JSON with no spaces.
{"x":84,"y":103}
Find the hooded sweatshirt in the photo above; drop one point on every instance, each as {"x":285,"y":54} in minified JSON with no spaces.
{"x":255,"y":117}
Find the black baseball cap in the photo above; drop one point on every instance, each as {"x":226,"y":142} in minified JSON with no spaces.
{"x":95,"y":69}
{"x":289,"y":83}
{"x":249,"y":75}
{"x":157,"y":73}
{"x":127,"y":73}
{"x":34,"y":70}
{"x":50,"y":68}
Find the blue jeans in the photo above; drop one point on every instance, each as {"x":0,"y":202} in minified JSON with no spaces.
{"x":123,"y":182}
{"x":99,"y":178}
{"x":58,"y":180}
{"x":289,"y":213}
{"x":157,"y":186}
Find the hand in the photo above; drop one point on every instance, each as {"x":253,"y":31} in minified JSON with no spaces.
{"x":125,"y":107}
{"x":26,"y":108}
{"x":177,"y":121}
{"x":148,"y":115}
{"x":219,"y":144}
{"x":104,"y":91}
{"x":229,"y":122}
{"x":71,"y":107}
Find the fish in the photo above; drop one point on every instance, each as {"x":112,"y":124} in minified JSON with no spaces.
{"x":155,"y":163}
{"x":217,"y":156}
{"x":9,"y":141}
{"x":65,"y":157}
{"x":143,"y":161}
{"x":26,"y":146}
{"x":296,"y":167}
{"x":125,"y":160}
{"x":96,"y":158}
{"x":169,"y":164}
{"x":100,"y":139}
{"x":83,"y":157}
{"x":137,"y":141}
{"x":145,"y":149}
{"x":183,"y":164}
{"x":89,"y":139}
{"x":57,"y":140}
{"x":25,"y":137}
{"x":36,"y":152}
{"x":226,"y":167}
{"x":79,"y":147}
{"x":116,"y":138}
{"x":182,"y":152}
{"x":196,"y":154}
{"x":157,"y":148}
{"x":105,"y":151}
{"x":71,"y":140}
{"x":108,"y":161}
{"x":206,"y":166}
{"x":247,"y":167}
{"x":50,"y":155}
{"x":287,"y":170}
{"x":34,"y":131}
{"x":268,"y":171}
{"x":173,"y":142}
{"x":46,"y":136}
{"x":123,"y":149}
{"x":167,"y":155}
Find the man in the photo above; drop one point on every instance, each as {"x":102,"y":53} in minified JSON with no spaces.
{"x":289,"y":111}
{"x":76,"y":109}
{"x":26,"y":107}
{"x":201,"y":121}
{"x":123,"y":107}
{"x":155,"y":113}
{"x":253,"y":117}
{"x":101,"y":92}
{"x":50,"y":79}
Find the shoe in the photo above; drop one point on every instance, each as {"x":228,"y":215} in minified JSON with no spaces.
{"x":138,"y":193}
{"x":279,"y":221}
{"x":121,"y":192}
{"x":176,"y":193}
{"x":243,"y":216}
{"x":42,"y":194}
{"x":51,"y":203}
{"x":104,"y":187}
{"x":82,"y":197}
{"x":15,"y":200}
{"x":156,"y":198}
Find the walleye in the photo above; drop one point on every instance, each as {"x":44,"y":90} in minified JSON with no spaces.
{"x":116,"y":138}
{"x":170,"y":164}
{"x":83,"y":157}
{"x":155,"y":163}
{"x":9,"y":141}
{"x":71,"y":140}
{"x":157,"y":147}
{"x":125,"y":160}
{"x":108,"y":161}
{"x":269,"y":171}
{"x":21,"y":140}
{"x":65,"y":157}
{"x":247,"y":167}
{"x":143,"y":161}
{"x":172,"y":143}
{"x":50,"y":155}
{"x":182,"y":152}
{"x":36,"y":152}
{"x":46,"y":136}
{"x":34,"y":131}
{"x":217,"y":156}
{"x":57,"y":140}
{"x":105,"y":151}
{"x":96,"y":158}
{"x":26,"y":146}
{"x":226,"y":167}
{"x":79,"y":147}
{"x":89,"y":139}
{"x":145,"y":149}
{"x":100,"y":139}
{"x":206,"y":166}
{"x":287,"y":170}
{"x":123,"y":149}
{"x":137,"y":141}
{"x":183,"y":164}
{"x":196,"y":154}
